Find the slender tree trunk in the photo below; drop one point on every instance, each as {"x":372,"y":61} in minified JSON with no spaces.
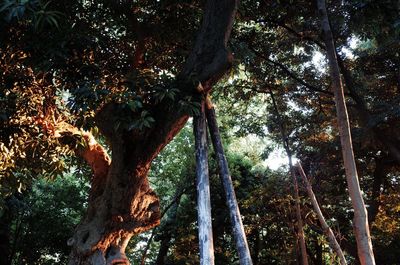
{"x":146,"y":249}
{"x":300,"y":231}
{"x":256,"y":246}
{"x":285,"y":142}
{"x":203,"y":190}
{"x":327,"y":230}
{"x":379,"y":175}
{"x":163,"y":251}
{"x":167,"y":236}
{"x":350,"y":84}
{"x":361,"y":228}
{"x":171,"y":220}
{"x":234,"y":212}
{"x":363,"y":112}
{"x":174,"y":204}
{"x":319,"y":253}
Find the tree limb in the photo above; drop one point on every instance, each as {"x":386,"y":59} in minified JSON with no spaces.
{"x":85,"y":145}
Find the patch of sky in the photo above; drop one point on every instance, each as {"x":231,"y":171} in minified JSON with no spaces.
{"x":253,"y":146}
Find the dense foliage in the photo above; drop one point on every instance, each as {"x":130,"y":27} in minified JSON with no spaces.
{"x":61,"y":61}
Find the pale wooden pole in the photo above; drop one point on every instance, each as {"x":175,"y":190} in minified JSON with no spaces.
{"x":360,"y":222}
{"x":325,"y":227}
{"x":234,"y":212}
{"x":203,"y":190}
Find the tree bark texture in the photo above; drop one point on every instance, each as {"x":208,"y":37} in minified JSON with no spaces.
{"x":203,"y":190}
{"x":361,"y":227}
{"x":234,"y":212}
{"x":325,"y":227}
{"x":285,"y":141}
{"x":121,"y":202}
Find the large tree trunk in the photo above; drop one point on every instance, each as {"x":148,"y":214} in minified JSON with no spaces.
{"x":361,"y":228}
{"x":325,"y":227}
{"x":121,"y":203}
{"x":234,"y":213}
{"x":203,"y":190}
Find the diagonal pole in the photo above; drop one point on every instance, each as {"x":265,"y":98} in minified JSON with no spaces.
{"x":234,"y":213}
{"x":325,"y":227}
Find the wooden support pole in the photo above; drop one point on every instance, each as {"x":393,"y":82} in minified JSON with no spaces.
{"x":360,"y":223}
{"x":203,"y":190}
{"x":234,"y":213}
{"x":325,"y":227}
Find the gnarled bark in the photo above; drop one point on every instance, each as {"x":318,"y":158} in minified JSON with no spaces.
{"x":124,"y":205}
{"x":90,"y":150}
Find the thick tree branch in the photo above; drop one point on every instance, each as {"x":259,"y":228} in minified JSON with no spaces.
{"x":210,"y":57}
{"x":86,"y":146}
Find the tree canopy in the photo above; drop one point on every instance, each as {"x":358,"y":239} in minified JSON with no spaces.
{"x":92,"y":92}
